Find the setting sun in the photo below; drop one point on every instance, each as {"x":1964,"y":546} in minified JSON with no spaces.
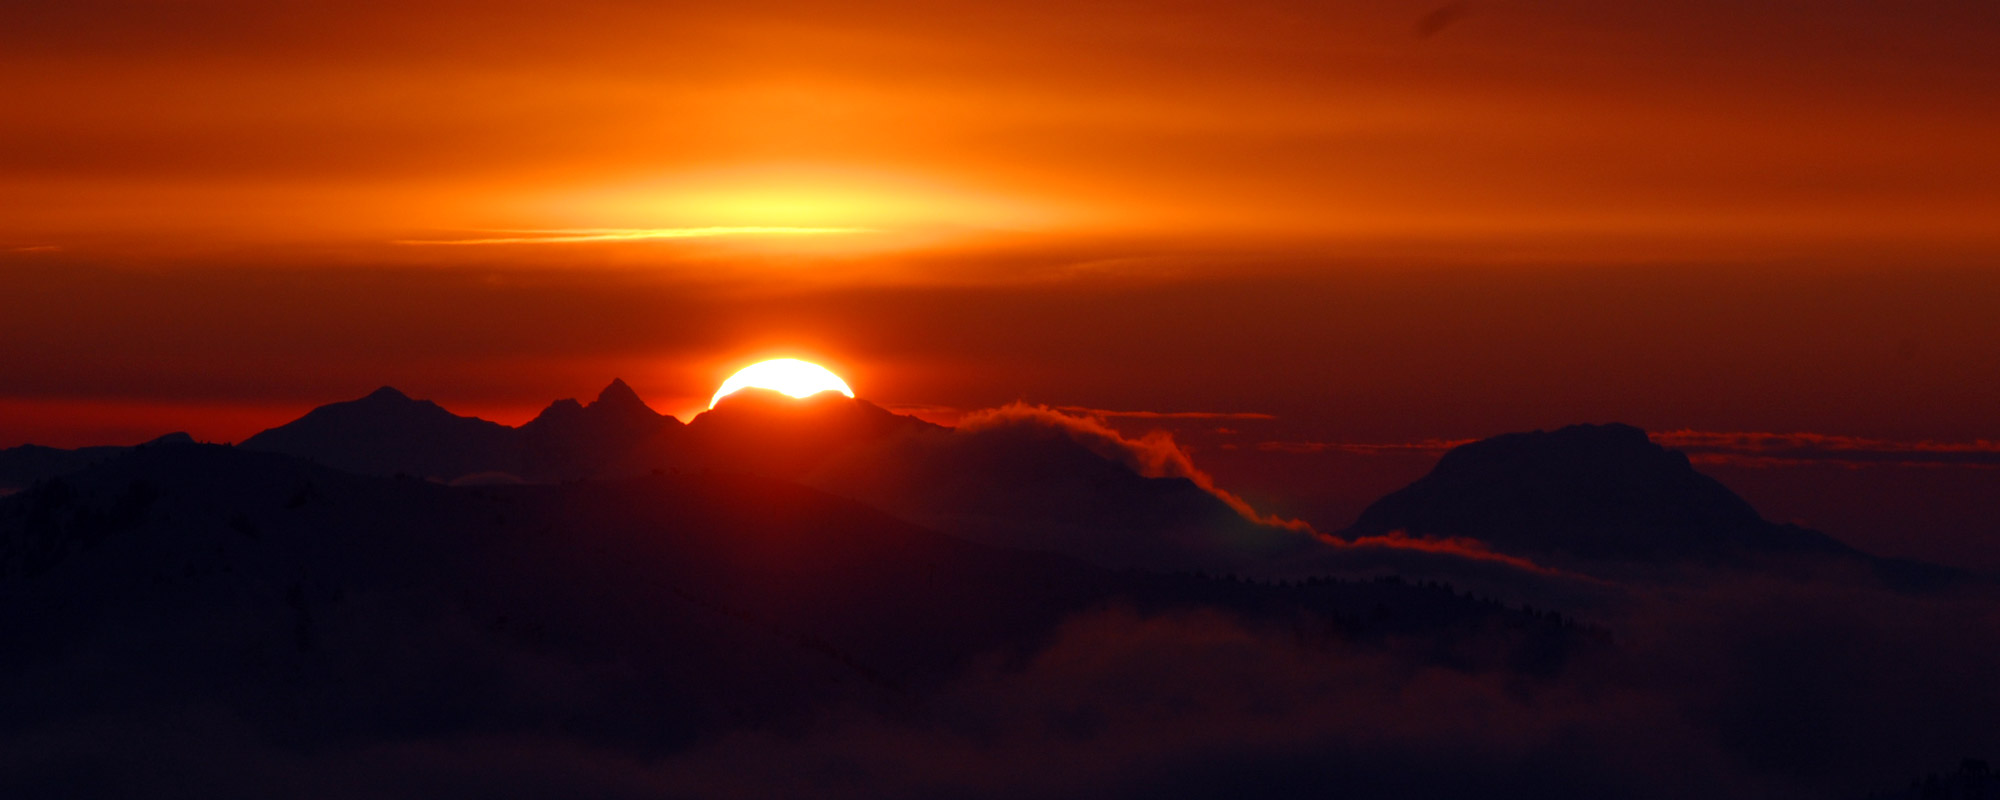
{"x":788,"y":375}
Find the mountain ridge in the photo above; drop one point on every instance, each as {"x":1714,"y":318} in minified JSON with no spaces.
{"x":1589,"y":491}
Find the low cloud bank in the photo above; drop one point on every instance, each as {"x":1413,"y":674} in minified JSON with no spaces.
{"x":1741,"y":448}
{"x":1736,"y":688}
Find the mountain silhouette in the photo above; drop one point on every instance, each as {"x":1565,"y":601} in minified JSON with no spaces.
{"x":321,"y":606}
{"x":770,"y":433}
{"x":30,"y":463}
{"x":1598,"y":493}
{"x":190,"y":604}
{"x":387,"y":433}
{"x":574,"y":441}
{"x":1589,"y":491}
{"x":1022,"y":485}
{"x":1033,"y":486}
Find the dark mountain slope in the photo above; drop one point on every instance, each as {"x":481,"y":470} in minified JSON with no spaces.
{"x":1590,"y":491}
{"x":1027,"y":484}
{"x":1035,"y":487}
{"x":387,"y":433}
{"x":316,"y":605}
{"x":575,"y":441}
{"x":768,"y":433}
{"x":27,"y":464}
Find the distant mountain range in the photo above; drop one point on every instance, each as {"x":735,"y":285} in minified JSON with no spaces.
{"x":388,"y":433}
{"x":383,"y":574}
{"x":1575,"y":496}
{"x":23,"y":466}
{"x":1017,"y":486}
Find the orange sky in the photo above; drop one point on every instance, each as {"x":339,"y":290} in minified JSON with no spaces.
{"x":148,"y":128}
{"x":1374,"y":221}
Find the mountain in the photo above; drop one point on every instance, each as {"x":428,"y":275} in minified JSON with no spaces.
{"x":1025,"y":484}
{"x":387,"y":433}
{"x":1031,"y":485}
{"x":1587,"y":491}
{"x":767,"y":433}
{"x":574,"y":441}
{"x":314,"y":607}
{"x":27,"y":464}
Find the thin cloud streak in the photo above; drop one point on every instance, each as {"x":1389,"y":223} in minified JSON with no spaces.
{"x":1459,"y":546}
{"x":636,"y":234}
{"x":1760,"y":449}
{"x":1363,"y":448}
{"x":1099,"y":412}
{"x":1736,"y":448}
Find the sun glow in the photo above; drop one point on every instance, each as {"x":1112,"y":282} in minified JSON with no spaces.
{"x":788,"y":375}
{"x":573,"y":236}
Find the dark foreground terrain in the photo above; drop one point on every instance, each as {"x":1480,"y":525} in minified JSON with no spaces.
{"x":188,"y":620}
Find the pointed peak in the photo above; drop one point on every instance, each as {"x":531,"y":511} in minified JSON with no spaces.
{"x":617,"y":388}
{"x":177,"y":437}
{"x":619,"y":394}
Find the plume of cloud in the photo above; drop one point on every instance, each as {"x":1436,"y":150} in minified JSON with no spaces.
{"x":1457,"y":546}
{"x":1153,"y":454}
{"x":1156,"y":454}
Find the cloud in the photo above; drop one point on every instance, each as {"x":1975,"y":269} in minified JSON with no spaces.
{"x":634,"y":234}
{"x":1363,"y":448}
{"x":1712,"y":692}
{"x":1791,"y":449}
{"x":1157,"y":455}
{"x":1154,"y":454}
{"x":1728,"y":687}
{"x":1458,"y":546}
{"x":1741,"y":448}
{"x":1099,"y":412}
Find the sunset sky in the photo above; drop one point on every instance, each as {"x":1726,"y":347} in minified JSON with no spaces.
{"x":1304,"y":229}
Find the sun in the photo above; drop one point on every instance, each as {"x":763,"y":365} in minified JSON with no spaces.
{"x":789,"y":375}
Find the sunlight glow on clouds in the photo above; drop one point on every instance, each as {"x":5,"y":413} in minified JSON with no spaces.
{"x":573,"y":236}
{"x":788,"y":195}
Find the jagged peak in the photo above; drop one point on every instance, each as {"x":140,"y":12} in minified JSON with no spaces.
{"x":620,"y":395}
